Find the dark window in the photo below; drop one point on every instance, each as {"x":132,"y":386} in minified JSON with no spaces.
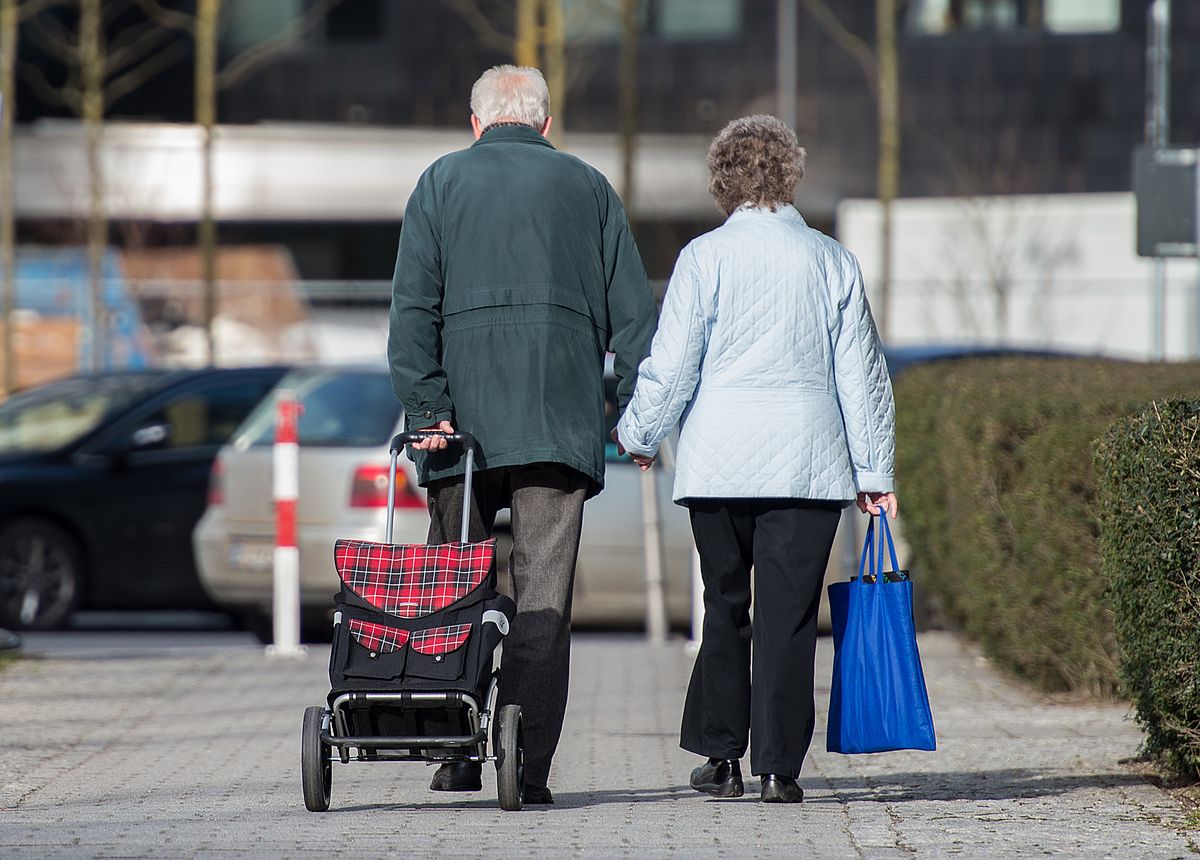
{"x":208,"y":416}
{"x":355,"y":21}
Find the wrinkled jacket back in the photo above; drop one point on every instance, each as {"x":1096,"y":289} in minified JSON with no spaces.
{"x":767,"y":352}
{"x":516,"y":271}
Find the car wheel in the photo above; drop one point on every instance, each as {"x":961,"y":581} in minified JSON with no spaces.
{"x":41,"y":575}
{"x":259,"y":623}
{"x":314,"y":626}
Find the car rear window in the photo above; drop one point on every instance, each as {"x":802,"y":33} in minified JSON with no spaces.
{"x":340,"y":409}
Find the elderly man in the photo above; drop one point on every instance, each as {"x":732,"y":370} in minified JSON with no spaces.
{"x":517,"y":270}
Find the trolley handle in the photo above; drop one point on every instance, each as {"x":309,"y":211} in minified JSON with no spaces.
{"x":470,"y":445}
{"x":465,"y":439}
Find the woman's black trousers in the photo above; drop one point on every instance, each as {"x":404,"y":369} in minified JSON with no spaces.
{"x":753,"y":682}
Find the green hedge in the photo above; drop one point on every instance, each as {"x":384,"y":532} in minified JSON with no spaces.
{"x":1148,"y":469}
{"x":998,"y":499}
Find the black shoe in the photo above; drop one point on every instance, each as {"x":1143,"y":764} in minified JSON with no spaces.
{"x":537,"y":795}
{"x":721,"y":777}
{"x":458,"y":776}
{"x":780,"y":789}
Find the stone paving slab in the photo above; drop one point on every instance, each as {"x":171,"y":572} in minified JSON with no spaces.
{"x":195,"y":753}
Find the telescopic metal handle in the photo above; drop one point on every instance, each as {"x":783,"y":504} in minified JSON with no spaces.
{"x":399,"y":441}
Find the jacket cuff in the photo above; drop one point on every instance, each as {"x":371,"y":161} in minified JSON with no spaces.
{"x":874,"y":482}
{"x":426,"y":416}
{"x":633,"y":447}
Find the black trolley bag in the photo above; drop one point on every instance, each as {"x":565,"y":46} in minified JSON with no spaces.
{"x":415,"y":660}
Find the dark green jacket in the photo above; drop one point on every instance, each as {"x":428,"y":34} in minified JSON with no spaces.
{"x":517,"y":270}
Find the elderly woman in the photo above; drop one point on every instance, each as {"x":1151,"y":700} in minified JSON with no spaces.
{"x":767,"y":351}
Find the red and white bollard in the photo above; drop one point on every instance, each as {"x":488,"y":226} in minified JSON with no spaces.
{"x":286,"y":609}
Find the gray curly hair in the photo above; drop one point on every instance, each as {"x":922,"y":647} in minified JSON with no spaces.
{"x":511,"y":93}
{"x":755,"y":160}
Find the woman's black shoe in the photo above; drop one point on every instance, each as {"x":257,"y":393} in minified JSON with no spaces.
{"x":537,"y":795}
{"x":721,"y":777}
{"x":458,"y":776}
{"x":780,"y":789}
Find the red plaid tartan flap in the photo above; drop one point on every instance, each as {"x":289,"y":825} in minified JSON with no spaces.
{"x":440,"y":640}
{"x":378,"y":637}
{"x":412,"y":580}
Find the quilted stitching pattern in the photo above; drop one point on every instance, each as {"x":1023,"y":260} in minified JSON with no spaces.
{"x":412,"y":581}
{"x":378,"y":637}
{"x":767,"y":351}
{"x":440,"y":640}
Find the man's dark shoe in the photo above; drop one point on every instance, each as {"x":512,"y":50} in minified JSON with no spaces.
{"x":458,"y":776}
{"x":780,"y":789}
{"x":537,"y":795}
{"x":721,"y":777}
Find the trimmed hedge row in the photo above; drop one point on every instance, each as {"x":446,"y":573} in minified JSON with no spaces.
{"x":1148,"y":468}
{"x":999,"y":500}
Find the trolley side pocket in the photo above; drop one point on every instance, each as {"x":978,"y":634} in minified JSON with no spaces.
{"x":437,"y":653}
{"x":372,"y":650}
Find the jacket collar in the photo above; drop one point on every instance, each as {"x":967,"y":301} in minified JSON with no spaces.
{"x":512,"y":134}
{"x":788,"y":213}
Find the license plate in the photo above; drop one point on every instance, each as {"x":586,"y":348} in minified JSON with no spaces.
{"x":251,"y":554}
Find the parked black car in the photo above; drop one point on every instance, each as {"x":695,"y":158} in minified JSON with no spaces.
{"x":102,"y":479}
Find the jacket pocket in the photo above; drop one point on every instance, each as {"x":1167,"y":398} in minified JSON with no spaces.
{"x":438,"y":653}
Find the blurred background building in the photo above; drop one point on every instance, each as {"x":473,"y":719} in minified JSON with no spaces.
{"x":1017,"y":118}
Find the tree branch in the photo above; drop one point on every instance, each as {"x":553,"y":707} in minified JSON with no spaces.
{"x":134,"y":45}
{"x":252,"y":59}
{"x":484,"y":30}
{"x":164,"y":17}
{"x":851,"y":43}
{"x":67,"y":96}
{"x":124,"y":84}
{"x":29,"y":8}
{"x":53,"y":38}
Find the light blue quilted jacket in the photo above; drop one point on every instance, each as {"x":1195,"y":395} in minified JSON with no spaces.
{"x":767,"y":352}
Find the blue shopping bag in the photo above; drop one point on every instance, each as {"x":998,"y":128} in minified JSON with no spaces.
{"x":878,"y":700}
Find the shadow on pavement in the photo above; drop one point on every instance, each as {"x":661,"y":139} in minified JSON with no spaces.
{"x":894,"y":788}
{"x":962,"y":785}
{"x":563,"y":800}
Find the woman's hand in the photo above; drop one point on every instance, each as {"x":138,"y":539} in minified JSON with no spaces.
{"x":876,"y":503}
{"x":616,"y":438}
{"x":643,"y":462}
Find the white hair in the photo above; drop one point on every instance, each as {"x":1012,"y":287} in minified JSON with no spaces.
{"x":511,"y":94}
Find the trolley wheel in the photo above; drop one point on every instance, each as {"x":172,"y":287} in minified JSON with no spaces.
{"x":510,"y":757}
{"x":316,"y":770}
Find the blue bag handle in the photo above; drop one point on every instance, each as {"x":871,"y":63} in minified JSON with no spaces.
{"x":868,"y":556}
{"x":886,"y":535}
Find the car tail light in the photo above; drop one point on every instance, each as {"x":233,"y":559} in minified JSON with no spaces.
{"x":216,"y":484}
{"x":369,"y":489}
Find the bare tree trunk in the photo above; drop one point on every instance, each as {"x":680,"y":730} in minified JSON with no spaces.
{"x":8,"y":92}
{"x":207,"y":14}
{"x":785,"y":61}
{"x":527,"y":32}
{"x":889,"y":147}
{"x":628,"y":113}
{"x":556,"y":65}
{"x":91,"y":63}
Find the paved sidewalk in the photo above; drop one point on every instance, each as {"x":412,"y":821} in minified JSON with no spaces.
{"x":195,"y":753}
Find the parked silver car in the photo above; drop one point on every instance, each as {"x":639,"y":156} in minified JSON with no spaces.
{"x":349,"y":416}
